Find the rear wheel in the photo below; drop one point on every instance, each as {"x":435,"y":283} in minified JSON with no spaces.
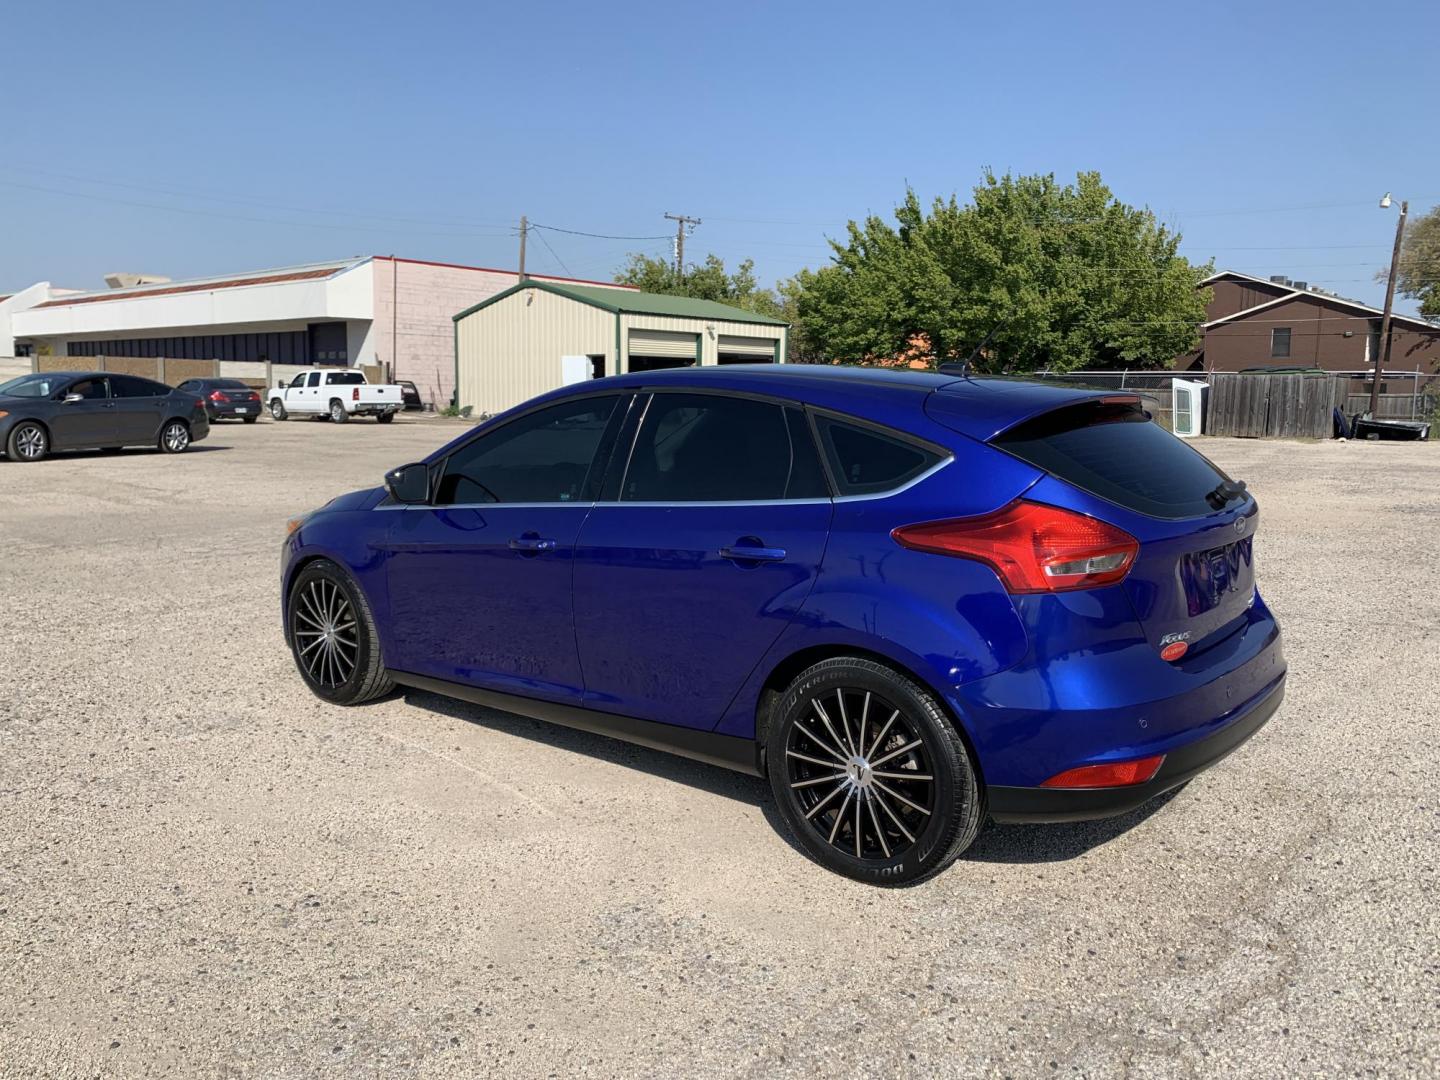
{"x":175,"y":437}
{"x":870,"y":773}
{"x":277,"y":409}
{"x":28,"y":441}
{"x":385,"y":417}
{"x":337,"y":412}
{"x":251,"y":419}
{"x":333,"y":637}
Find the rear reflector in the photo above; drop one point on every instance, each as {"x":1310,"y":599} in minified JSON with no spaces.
{"x":1113,"y":774}
{"x":1033,"y":547}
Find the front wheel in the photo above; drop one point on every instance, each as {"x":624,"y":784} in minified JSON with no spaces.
{"x":333,"y":637}
{"x":277,"y":409}
{"x":871,"y":774}
{"x":175,"y":437}
{"x":338,"y":413}
{"x":28,"y":441}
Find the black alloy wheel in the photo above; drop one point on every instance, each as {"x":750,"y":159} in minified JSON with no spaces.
{"x":333,"y":638}
{"x":871,"y":774}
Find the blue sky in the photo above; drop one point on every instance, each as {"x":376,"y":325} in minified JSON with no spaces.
{"x":186,"y":139}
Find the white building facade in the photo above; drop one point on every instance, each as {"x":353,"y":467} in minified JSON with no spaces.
{"x":371,"y":310}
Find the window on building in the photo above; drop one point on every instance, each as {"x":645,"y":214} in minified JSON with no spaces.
{"x":543,"y":457}
{"x":1280,"y":343}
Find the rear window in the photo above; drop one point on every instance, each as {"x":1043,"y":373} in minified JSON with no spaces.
{"x":1116,"y":452}
{"x":865,"y":461}
{"x":344,"y":378}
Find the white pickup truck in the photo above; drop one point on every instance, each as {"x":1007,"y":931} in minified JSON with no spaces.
{"x":338,"y":393}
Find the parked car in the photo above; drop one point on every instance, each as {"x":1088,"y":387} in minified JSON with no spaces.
{"x":410,"y":394}
{"x":338,"y":393}
{"x":226,"y":399}
{"x":81,"y":410}
{"x":911,"y":600}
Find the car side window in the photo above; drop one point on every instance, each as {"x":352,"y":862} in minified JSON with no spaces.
{"x":132,"y":386}
{"x":712,"y":448}
{"x":542,"y":457}
{"x":865,"y":461}
{"x":314,"y":379}
{"x":89,"y":389}
{"x":189,"y":386}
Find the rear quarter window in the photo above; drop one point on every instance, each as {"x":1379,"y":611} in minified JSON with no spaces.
{"x":1116,"y":452}
{"x":865,"y":461}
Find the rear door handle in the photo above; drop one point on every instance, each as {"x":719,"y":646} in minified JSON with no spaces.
{"x":746,"y":553}
{"x":532,"y":543}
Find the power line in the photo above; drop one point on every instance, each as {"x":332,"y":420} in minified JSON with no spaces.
{"x":568,"y":271}
{"x":597,"y":236}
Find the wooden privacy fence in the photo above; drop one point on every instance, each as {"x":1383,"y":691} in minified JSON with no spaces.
{"x":1274,"y":406}
{"x":1395,"y":406}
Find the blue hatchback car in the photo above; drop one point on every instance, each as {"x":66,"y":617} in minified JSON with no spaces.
{"x":914,"y":602}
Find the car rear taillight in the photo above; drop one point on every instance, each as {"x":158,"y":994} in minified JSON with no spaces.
{"x":1111,"y":774}
{"x":355,"y":394}
{"x":1033,"y":547}
{"x":199,"y":403}
{"x":216,"y":395}
{"x":253,"y":396}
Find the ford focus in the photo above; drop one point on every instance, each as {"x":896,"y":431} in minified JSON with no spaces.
{"x":914,"y":602}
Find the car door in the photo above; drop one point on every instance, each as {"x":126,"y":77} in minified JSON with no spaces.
{"x":307,"y":398}
{"x":479,"y":580}
{"x":87,"y":422}
{"x":690,"y":567}
{"x":139,"y":408}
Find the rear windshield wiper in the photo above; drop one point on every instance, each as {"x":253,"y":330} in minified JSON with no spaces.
{"x":1224,"y":492}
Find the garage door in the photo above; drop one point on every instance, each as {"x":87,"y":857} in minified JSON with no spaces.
{"x":662,"y":343}
{"x":745,"y":350}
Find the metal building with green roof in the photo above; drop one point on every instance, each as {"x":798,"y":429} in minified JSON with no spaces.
{"x":536,"y":336}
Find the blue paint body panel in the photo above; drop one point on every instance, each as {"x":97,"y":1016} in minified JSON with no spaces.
{"x":634,"y":611}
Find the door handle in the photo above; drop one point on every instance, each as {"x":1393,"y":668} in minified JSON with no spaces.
{"x":532,"y":544}
{"x":746,"y":553}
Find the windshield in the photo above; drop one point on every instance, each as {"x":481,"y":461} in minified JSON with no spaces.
{"x":36,"y":386}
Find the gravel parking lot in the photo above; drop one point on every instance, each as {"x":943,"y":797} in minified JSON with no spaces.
{"x":204,"y":870}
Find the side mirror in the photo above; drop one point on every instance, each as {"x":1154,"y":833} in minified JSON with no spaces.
{"x":409,"y":483}
{"x":70,"y":399}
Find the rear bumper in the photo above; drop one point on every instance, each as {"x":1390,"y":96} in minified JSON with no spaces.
{"x":1036,"y":804}
{"x":234,"y":412}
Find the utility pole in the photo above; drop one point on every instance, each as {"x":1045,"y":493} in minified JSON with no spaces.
{"x":1384,"y":358}
{"x":524,"y":228}
{"x":680,"y":222}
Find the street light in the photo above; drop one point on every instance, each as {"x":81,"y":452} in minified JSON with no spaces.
{"x":1384,"y":357}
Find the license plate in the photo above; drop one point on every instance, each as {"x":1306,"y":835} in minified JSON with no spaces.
{"x":238,"y":411}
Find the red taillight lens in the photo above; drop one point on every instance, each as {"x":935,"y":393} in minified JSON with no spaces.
{"x":216,"y":395}
{"x":355,"y":394}
{"x":1033,"y":547}
{"x":1113,"y":774}
{"x":254,"y":396}
{"x":199,"y":404}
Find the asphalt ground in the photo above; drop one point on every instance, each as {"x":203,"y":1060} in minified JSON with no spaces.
{"x":206,"y":871}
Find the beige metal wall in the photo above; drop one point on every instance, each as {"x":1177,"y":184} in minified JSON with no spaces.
{"x":710,"y":331}
{"x":510,"y":351}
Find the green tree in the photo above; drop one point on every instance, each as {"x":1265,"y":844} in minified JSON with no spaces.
{"x":707,"y":281}
{"x":1419,"y":271}
{"x":1064,"y":276}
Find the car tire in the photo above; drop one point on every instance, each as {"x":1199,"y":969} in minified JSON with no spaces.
{"x":277,"y":409}
{"x":835,"y":791}
{"x":385,"y":418}
{"x":338,"y":415}
{"x":174,"y":437}
{"x":29,"y":441}
{"x":324,"y":604}
{"x":251,"y":419}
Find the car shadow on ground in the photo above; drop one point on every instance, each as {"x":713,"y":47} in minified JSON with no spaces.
{"x":998,"y":843}
{"x":130,"y":451}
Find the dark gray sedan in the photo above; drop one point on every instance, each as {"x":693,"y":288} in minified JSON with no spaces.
{"x":78,"y":410}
